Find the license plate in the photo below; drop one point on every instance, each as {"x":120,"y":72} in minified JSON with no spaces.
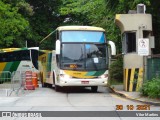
{"x":84,"y":82}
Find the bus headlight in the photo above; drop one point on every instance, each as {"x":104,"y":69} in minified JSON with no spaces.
{"x":103,"y":76}
{"x":65,"y":76}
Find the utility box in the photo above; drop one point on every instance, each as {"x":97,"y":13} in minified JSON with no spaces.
{"x":136,"y":39}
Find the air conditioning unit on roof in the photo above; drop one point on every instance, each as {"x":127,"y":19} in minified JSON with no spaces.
{"x":141,"y":8}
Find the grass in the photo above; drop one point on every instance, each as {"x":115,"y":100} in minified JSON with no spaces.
{"x":115,"y":82}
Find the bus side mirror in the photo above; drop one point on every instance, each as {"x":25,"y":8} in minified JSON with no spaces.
{"x":113,"y":47}
{"x":58,"y":47}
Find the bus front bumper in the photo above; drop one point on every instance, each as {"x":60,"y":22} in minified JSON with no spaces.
{"x":82,"y":82}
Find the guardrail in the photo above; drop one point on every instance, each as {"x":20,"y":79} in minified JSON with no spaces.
{"x":5,"y":81}
{"x":11,"y":82}
{"x":16,"y":81}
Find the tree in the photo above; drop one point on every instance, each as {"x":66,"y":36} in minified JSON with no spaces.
{"x":154,"y":9}
{"x":44,"y":20}
{"x":32,"y":20}
{"x":96,"y":13}
{"x":23,"y":7}
{"x":12,"y":26}
{"x":100,"y":13}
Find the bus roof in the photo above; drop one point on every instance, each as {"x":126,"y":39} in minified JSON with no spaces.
{"x":17,"y":49}
{"x":9,"y":49}
{"x":89,"y":28}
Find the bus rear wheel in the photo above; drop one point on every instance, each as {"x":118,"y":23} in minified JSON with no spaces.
{"x":94,"y":88}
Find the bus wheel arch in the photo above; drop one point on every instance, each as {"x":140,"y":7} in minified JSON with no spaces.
{"x":56,"y":87}
{"x":54,"y":78}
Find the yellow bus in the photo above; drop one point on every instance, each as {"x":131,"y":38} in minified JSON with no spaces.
{"x":80,"y":58}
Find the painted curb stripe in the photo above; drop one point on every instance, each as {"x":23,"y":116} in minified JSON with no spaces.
{"x":140,"y":79}
{"x":135,"y":82}
{"x":133,"y":79}
{"x":128,"y":80}
{"x":133,"y":98}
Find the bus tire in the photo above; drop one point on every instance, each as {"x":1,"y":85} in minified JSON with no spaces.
{"x":94,"y":88}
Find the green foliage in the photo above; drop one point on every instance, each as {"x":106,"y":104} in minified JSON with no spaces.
{"x":95,"y":13}
{"x":32,"y":20}
{"x":153,"y":8}
{"x":12,"y":25}
{"x":44,"y":20}
{"x":116,"y":70}
{"x":100,"y":13}
{"x":151,"y":88}
{"x":23,"y":7}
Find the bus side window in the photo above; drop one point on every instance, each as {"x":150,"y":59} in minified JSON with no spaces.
{"x":1,"y":57}
{"x":5,"y":57}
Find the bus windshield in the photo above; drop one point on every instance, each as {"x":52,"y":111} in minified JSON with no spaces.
{"x":84,"y":56}
{"x":83,"y":36}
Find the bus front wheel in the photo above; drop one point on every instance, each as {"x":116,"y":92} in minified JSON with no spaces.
{"x":94,"y":88}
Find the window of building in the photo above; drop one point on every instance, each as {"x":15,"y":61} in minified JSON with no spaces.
{"x":129,"y":42}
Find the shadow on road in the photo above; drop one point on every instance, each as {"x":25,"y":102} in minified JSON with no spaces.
{"x":81,"y":90}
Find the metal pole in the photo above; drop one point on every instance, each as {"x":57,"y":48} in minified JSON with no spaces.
{"x":144,"y":57}
{"x":26,"y":43}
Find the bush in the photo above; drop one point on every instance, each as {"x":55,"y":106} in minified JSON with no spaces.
{"x":151,"y":88}
{"x":116,"y":70}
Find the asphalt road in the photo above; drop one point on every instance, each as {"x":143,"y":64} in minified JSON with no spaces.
{"x":71,"y":99}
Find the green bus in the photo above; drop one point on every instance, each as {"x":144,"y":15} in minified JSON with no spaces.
{"x":19,"y":59}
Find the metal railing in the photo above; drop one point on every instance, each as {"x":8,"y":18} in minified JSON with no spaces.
{"x":10,"y":82}
{"x":5,"y":82}
{"x":15,"y":82}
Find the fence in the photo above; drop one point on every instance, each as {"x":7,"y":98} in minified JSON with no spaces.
{"x":11,"y":82}
{"x":153,"y":68}
{"x":17,"y":81}
{"x":5,"y":82}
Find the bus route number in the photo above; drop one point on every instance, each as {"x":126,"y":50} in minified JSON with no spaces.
{"x":73,"y":66}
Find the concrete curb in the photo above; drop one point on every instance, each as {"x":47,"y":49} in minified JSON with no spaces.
{"x":134,"y":99}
